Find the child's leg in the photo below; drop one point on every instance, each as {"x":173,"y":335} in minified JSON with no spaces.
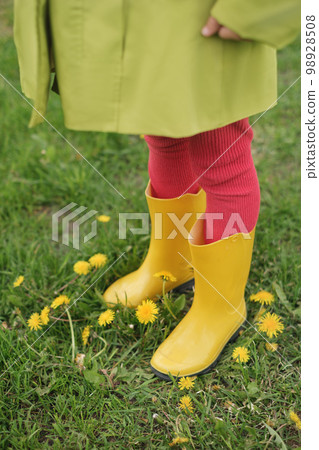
{"x":171,"y":175}
{"x":229,"y":180}
{"x":221,"y":269}
{"x":169,"y":167}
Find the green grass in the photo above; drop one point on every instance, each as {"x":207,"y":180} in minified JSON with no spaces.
{"x":45,"y":400}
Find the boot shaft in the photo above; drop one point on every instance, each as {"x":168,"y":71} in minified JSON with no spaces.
{"x":221,"y":269}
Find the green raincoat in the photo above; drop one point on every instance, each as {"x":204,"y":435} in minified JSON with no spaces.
{"x":142,"y":66}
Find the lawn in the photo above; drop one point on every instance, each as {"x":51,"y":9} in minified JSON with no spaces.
{"x":49,"y":401}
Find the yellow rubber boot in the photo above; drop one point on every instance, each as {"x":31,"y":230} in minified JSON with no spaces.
{"x":218,"y":311}
{"x":163,"y":255}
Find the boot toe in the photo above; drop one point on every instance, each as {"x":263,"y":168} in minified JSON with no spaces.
{"x":163,"y":366}
{"x":194,"y":347}
{"x":123,"y":291}
{"x":133,"y":288}
{"x":181,"y":356}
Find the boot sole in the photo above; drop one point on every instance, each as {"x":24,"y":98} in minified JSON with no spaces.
{"x":208,"y":369}
{"x":187,"y":286}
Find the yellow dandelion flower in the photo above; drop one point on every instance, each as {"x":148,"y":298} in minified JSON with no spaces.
{"x":98,"y":260}
{"x":106,"y":317}
{"x":216,"y":387}
{"x":103,"y":218}
{"x":241,"y":354}
{"x":86,"y":334}
{"x":141,"y":136}
{"x":35,"y":321}
{"x":263,"y":297}
{"x":186,"y":383}
{"x":61,"y":300}
{"x":271,"y":324}
{"x":186,"y":404}
{"x":178,"y":440}
{"x":147,"y":312}
{"x":82,"y":267}
{"x":271,"y":347}
{"x":293,"y":416}
{"x":165,"y":275}
{"x":19,"y":280}
{"x":44,"y":315}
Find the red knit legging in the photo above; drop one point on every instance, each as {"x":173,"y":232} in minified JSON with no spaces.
{"x":220,"y":162}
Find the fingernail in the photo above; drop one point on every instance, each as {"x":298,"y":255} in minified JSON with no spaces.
{"x":205,"y":31}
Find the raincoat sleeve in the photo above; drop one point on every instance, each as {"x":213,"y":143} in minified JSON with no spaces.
{"x":273,"y":22}
{"x":31,"y":39}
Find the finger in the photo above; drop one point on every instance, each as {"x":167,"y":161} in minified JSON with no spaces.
{"x":211,"y":27}
{"x":226,"y":33}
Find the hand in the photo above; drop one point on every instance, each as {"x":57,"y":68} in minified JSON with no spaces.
{"x":214,"y":27}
